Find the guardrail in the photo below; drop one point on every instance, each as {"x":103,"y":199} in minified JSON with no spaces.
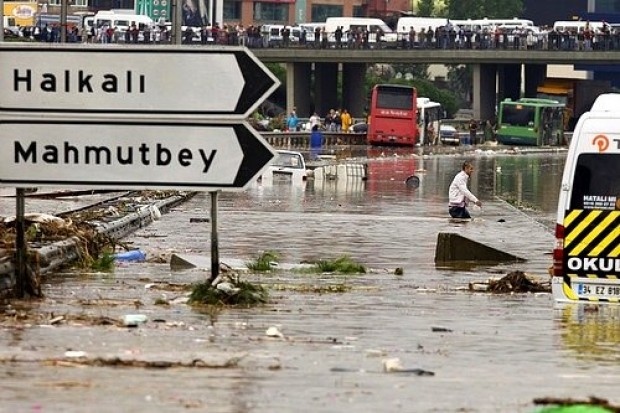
{"x":45,"y":258}
{"x":301,"y":140}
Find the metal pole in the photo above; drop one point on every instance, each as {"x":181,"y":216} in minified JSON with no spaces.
{"x":21,"y":278}
{"x":2,"y":21}
{"x":177,"y":21}
{"x":64,"y":6}
{"x":215,"y":250}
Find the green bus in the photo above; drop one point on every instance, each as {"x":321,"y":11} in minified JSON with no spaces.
{"x":531,"y":121}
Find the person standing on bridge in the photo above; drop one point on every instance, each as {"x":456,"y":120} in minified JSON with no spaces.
{"x":292,"y":123}
{"x":459,"y":195}
{"x":345,"y":120}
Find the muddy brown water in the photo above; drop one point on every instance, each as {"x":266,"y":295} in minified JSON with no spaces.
{"x":488,"y":353}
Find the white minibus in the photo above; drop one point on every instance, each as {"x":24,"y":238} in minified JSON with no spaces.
{"x":122,"y":21}
{"x":404,"y":24}
{"x":369,"y":24}
{"x":577,"y":25}
{"x":586,"y":257}
{"x":510,"y":24}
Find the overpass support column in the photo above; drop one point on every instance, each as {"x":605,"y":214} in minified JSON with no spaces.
{"x":325,"y":87}
{"x":298,"y":87}
{"x":534,"y":76}
{"x":353,"y":99}
{"x":509,"y":82}
{"x":484,"y":85}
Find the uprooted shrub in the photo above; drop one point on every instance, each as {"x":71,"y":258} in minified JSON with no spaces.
{"x":264,"y":262}
{"x":229,"y":293}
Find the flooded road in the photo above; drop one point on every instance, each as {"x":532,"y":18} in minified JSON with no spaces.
{"x":487,"y":353}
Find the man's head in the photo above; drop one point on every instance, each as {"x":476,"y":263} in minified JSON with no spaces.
{"x":468,"y":168}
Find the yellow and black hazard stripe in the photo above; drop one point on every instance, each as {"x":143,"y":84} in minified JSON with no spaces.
{"x":588,"y":235}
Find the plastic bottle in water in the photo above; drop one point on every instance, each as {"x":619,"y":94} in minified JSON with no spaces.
{"x":133,"y":255}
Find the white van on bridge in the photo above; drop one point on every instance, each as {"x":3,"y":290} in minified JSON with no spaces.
{"x":369,"y":24}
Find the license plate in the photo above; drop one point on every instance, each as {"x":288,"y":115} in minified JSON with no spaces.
{"x":597,"y":290}
{"x":282,"y":177}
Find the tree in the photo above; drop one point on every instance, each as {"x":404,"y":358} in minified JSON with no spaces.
{"x":460,"y":83}
{"x":477,"y":9}
{"x":426,"y":8}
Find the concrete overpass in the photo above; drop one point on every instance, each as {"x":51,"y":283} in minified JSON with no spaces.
{"x":497,"y":73}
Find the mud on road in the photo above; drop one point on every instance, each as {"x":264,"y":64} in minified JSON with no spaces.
{"x":482,"y":352}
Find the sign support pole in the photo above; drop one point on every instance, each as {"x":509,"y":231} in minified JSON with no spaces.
{"x":64,"y":6}
{"x":20,"y":244}
{"x":177,"y":21}
{"x":215,"y":250}
{"x":2,"y":21}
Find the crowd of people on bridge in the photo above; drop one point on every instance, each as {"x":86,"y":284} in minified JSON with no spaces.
{"x":445,"y":37}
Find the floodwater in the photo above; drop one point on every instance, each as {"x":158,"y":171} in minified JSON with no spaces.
{"x":488,"y":353}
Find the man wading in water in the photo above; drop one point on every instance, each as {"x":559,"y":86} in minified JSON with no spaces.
{"x":459,"y":195}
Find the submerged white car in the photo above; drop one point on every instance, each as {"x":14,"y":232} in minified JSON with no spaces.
{"x":288,"y":165}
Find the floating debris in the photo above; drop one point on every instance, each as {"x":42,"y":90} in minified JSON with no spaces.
{"x":569,"y":405}
{"x":130,"y":256}
{"x":274,"y":332}
{"x":314,"y":289}
{"x":514,"y":282}
{"x":226,"y":289}
{"x":133,"y":320}
{"x":75,"y":354}
{"x":393,"y":365}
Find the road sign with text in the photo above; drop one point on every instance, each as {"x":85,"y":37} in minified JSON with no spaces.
{"x":216,"y":82}
{"x":132,"y":155}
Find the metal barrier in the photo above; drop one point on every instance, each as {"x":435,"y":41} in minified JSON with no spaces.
{"x":43,"y":259}
{"x":301,"y":140}
{"x":341,"y":171}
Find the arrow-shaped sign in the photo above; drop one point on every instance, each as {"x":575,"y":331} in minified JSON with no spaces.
{"x":182,"y":156}
{"x":157,"y":80}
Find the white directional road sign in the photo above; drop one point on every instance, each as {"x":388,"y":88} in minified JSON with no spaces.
{"x":132,"y":155}
{"x":157,"y":80}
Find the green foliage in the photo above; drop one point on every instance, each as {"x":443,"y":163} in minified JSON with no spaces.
{"x":278,"y":97}
{"x":278,"y":122}
{"x":478,"y":9}
{"x":342,"y":265}
{"x":460,"y":82}
{"x":278,"y":70}
{"x":248,"y":295}
{"x":426,"y":8}
{"x":263,"y":262}
{"x":103,"y":263}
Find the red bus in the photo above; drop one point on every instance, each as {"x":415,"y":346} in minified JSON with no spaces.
{"x":392,"y":119}
{"x":399,"y":117}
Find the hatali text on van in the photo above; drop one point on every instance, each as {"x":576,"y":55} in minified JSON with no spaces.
{"x":67,"y":154}
{"x":79,"y":81}
{"x":599,"y":202}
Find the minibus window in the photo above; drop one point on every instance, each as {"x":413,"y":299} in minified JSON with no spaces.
{"x":596,"y":175}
